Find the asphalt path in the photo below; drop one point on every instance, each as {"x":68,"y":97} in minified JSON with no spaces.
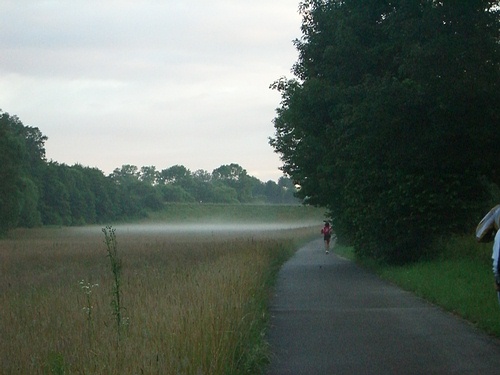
{"x":329,"y":316}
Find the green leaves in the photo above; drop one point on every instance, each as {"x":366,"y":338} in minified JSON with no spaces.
{"x":21,"y":154}
{"x":385,"y":126}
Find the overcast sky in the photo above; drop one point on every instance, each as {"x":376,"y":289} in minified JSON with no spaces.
{"x":113,"y":82}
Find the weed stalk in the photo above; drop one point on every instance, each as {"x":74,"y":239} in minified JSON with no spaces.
{"x":87,"y":290}
{"x":116,"y":268}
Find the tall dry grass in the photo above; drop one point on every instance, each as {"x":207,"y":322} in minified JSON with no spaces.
{"x":190,"y":305}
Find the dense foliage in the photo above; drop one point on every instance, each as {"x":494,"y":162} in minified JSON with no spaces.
{"x":392,"y":120}
{"x":34,"y":191}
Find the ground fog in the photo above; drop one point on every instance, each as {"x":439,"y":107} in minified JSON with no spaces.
{"x":203,"y":228}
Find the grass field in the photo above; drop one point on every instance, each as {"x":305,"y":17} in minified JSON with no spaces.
{"x":191,"y":303}
{"x":460,"y":280}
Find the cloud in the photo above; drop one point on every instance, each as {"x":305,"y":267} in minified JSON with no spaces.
{"x":149,"y":82}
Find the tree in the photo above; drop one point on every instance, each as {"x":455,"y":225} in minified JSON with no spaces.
{"x":202,"y":187}
{"x":390,"y":123}
{"x":105,"y":193}
{"x":224,"y":194}
{"x":21,"y":161}
{"x":29,"y":215}
{"x":175,"y":193}
{"x":234,"y":176}
{"x":175,"y":174}
{"x":125,"y":175}
{"x":202,"y":175}
{"x":55,"y":204}
{"x":273,"y":192}
{"x":149,"y":175}
{"x":10,"y":175}
{"x":229,"y":172}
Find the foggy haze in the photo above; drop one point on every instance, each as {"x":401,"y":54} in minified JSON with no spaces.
{"x":206,"y":228}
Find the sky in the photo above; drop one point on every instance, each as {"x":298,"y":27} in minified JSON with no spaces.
{"x":149,"y":83}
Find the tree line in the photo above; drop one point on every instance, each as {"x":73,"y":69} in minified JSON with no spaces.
{"x":34,"y":191}
{"x":391,"y":120}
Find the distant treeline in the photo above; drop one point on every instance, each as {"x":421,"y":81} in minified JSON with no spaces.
{"x":34,"y":191}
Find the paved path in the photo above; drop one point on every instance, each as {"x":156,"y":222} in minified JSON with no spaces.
{"x":331,"y":317}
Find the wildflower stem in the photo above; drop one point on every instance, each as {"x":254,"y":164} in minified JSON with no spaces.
{"x":116,"y":266}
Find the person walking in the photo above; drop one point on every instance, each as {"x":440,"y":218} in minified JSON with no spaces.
{"x":494,"y":257}
{"x":326,"y":231}
{"x":487,"y":230}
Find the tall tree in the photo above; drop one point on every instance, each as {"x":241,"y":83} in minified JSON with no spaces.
{"x":127,"y":174}
{"x":390,"y":122}
{"x":55,"y":203}
{"x":21,"y":161}
{"x":149,"y":175}
{"x":105,"y":193}
{"x":176,"y":173}
{"x":10,"y":174}
{"x":236,"y":177}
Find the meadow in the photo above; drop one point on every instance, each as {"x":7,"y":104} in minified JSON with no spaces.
{"x":190,"y":302}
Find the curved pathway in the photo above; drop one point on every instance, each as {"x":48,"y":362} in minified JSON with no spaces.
{"x":329,"y":316}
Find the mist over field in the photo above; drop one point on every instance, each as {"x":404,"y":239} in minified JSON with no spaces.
{"x":184,"y":221}
{"x":201,"y":228}
{"x":208,"y":227}
{"x":220,"y":219}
